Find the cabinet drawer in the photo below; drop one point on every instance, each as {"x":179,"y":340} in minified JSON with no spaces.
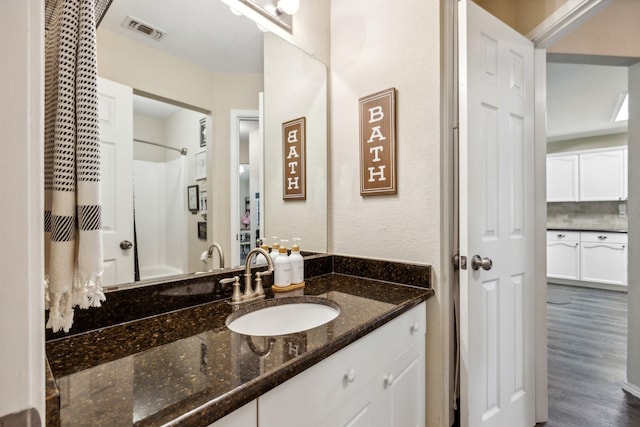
{"x":562,"y":235}
{"x":599,"y":237}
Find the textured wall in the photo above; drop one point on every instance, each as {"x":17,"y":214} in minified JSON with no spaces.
{"x":375,"y":46}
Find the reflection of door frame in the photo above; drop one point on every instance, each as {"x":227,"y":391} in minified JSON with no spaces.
{"x":234,"y":162}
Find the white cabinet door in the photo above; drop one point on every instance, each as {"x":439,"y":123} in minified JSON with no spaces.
{"x":245,"y":416}
{"x":404,"y":392}
{"x":562,"y":178}
{"x":603,"y":258}
{"x":563,"y":254}
{"x":563,"y":260}
{"x":359,"y":411}
{"x":602,"y":175}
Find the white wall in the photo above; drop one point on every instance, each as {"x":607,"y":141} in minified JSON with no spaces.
{"x":150,"y":129}
{"x":182,"y":129}
{"x":612,"y":32}
{"x":375,"y":46}
{"x":21,"y":191}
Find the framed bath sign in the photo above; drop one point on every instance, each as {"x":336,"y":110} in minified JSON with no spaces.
{"x":378,"y":143}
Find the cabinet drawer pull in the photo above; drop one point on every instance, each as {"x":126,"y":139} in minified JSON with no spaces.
{"x":602,"y":237}
{"x":561,"y":236}
{"x":415,"y":327}
{"x":388,"y":380}
{"x":350,"y":375}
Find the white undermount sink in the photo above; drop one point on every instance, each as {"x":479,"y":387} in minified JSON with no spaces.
{"x":281,"y":316}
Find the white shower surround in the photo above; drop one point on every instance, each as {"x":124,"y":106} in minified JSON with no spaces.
{"x":160,"y":232}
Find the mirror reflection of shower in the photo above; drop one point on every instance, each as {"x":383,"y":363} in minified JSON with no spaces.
{"x":166,"y":137}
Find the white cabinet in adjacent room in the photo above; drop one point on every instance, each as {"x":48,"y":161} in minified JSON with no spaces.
{"x":587,"y":256}
{"x":604,"y":257}
{"x":602,"y":175}
{"x":587,"y":176}
{"x":563,"y":254}
{"x":562,"y":178}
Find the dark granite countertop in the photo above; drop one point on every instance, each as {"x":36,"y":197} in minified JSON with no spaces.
{"x":186,"y":367}
{"x":596,"y":230}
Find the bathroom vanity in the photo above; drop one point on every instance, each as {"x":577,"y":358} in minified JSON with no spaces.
{"x":185,"y":367}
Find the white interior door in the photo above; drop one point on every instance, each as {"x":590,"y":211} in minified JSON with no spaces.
{"x":115,"y":108}
{"x":496,"y":222}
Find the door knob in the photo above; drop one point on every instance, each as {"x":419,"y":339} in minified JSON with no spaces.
{"x":484,"y":263}
{"x":126,"y":245}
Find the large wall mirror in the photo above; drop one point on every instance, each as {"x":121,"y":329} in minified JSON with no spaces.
{"x":186,"y":70}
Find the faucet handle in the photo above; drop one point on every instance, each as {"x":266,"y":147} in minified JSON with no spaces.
{"x":237,"y":295}
{"x":259,"y":290}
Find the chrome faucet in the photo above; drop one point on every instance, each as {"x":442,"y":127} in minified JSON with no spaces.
{"x":249,"y":292}
{"x":213,"y":246}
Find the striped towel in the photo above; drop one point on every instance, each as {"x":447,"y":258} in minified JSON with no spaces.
{"x":73,"y":226}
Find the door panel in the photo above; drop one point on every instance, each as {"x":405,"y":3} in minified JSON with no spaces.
{"x":115,"y":108}
{"x":496,"y":221}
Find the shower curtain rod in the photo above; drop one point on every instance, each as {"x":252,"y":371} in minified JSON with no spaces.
{"x":182,"y":150}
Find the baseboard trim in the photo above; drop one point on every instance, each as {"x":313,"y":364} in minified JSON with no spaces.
{"x":585,"y":284}
{"x":631,"y":389}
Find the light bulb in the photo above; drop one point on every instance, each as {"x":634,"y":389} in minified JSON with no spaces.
{"x":290,"y":7}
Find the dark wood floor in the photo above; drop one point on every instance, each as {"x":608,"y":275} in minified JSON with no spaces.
{"x":587,"y":341}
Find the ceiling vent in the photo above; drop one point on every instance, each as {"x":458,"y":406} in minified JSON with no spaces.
{"x":143,"y":28}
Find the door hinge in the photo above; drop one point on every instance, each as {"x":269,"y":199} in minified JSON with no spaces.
{"x":459,"y":262}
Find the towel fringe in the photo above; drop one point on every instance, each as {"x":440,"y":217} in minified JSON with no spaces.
{"x":86,"y":292}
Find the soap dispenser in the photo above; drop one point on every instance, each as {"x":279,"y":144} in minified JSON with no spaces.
{"x":275,"y":247}
{"x":260,"y":259}
{"x":297,"y":264}
{"x":282,"y":266}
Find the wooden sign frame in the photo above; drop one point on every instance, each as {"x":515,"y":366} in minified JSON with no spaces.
{"x":378,"y":143}
{"x":294,"y":164}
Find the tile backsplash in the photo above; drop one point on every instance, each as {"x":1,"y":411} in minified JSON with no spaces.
{"x":587,"y":215}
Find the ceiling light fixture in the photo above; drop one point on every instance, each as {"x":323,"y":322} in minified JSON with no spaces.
{"x":622,"y":108}
{"x":290,"y":7}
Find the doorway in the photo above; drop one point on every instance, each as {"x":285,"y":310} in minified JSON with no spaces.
{"x":246,"y":184}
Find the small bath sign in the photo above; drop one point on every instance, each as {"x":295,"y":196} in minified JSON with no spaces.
{"x":378,"y":143}
{"x":294,"y":161}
